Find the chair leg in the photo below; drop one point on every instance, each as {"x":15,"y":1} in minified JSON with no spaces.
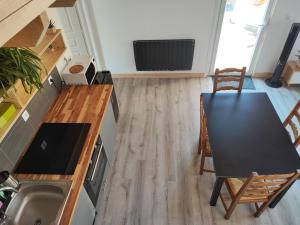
{"x":261,"y":209}
{"x":199,"y":146}
{"x":202,"y":163}
{"x":200,"y":142}
{"x":230,"y":210}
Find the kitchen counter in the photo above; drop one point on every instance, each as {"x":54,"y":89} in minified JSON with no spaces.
{"x":77,"y":104}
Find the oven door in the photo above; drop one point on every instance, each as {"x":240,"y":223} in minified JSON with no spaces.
{"x":95,"y":175}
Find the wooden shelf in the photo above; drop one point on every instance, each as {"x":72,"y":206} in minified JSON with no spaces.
{"x":17,"y":94}
{"x":48,"y":40}
{"x":63,"y":3}
{"x":32,"y":34}
{"x":50,"y":59}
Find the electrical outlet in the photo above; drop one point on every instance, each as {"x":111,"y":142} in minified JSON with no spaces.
{"x":50,"y":80}
{"x":25,"y":115}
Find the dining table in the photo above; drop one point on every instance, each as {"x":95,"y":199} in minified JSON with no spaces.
{"x":246,"y":135}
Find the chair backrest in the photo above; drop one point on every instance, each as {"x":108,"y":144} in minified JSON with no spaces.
{"x":292,"y":122}
{"x":220,"y":79}
{"x":265,"y":187}
{"x":202,"y":112}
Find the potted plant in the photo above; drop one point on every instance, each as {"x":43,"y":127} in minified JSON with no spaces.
{"x":51,"y":27}
{"x":22,"y":64}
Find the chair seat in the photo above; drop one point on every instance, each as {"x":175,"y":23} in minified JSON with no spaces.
{"x":235,"y":184}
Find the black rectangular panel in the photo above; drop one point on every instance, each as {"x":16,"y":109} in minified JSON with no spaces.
{"x":55,"y":149}
{"x":164,"y":55}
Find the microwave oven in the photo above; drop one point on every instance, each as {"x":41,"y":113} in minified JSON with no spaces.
{"x":80,"y":70}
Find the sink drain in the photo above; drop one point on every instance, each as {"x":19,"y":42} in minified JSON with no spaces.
{"x":38,"y":222}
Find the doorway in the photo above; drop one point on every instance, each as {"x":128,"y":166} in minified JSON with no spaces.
{"x":239,"y":32}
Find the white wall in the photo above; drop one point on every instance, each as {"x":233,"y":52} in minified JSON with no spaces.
{"x":121,"y":22}
{"x":286,"y":12}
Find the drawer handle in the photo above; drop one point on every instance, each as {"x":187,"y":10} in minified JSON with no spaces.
{"x":96,"y":165}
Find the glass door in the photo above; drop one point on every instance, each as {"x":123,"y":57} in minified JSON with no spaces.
{"x":240,"y":32}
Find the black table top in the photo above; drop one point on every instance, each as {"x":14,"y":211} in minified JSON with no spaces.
{"x":246,"y":135}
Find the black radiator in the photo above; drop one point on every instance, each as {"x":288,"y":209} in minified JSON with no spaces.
{"x":163,"y":55}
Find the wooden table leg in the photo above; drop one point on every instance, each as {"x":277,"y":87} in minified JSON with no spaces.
{"x":216,"y":192}
{"x":280,"y":196}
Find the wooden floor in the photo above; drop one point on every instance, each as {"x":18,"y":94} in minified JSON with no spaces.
{"x":155,"y":178}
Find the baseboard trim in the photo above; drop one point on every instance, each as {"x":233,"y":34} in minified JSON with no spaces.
{"x":158,"y":75}
{"x":262,"y":75}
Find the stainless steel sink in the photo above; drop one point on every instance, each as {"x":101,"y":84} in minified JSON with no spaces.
{"x":38,"y":203}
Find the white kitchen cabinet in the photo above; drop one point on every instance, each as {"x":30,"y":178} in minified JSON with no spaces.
{"x":108,"y":134}
{"x":85,"y":211}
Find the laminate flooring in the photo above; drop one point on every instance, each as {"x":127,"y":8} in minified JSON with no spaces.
{"x":155,"y":179}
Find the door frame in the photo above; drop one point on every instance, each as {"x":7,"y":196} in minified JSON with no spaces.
{"x":86,"y":16}
{"x":260,"y":40}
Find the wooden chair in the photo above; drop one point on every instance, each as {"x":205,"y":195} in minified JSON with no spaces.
{"x":220,"y":78}
{"x":204,"y":146}
{"x":258,"y":189}
{"x":294,"y":115}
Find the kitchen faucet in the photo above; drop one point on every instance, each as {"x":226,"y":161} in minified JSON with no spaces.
{"x":9,"y":189}
{"x":8,"y":182}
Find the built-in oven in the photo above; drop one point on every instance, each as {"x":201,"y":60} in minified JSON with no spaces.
{"x":95,"y":175}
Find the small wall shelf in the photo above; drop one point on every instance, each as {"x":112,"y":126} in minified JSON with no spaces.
{"x":63,"y":3}
{"x":17,"y":94}
{"x":32,"y":34}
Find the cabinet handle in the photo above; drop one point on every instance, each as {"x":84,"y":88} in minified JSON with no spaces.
{"x":96,"y":165}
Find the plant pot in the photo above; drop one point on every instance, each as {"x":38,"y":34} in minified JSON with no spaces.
{"x":51,"y":30}
{"x":18,"y":94}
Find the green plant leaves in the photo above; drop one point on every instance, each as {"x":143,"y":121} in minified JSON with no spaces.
{"x":23,"y":64}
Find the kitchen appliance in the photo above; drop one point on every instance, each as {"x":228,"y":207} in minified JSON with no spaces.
{"x":55,"y":149}
{"x":104,"y":77}
{"x":80,"y":70}
{"x":95,"y":175}
{"x":275,"y":80}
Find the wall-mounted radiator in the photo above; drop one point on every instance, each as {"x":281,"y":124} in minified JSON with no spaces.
{"x":163,"y":55}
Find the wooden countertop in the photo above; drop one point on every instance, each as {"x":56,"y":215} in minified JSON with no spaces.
{"x":77,"y":104}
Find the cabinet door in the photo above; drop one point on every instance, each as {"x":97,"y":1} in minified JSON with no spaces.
{"x":7,"y":9}
{"x":85,"y":212}
{"x":108,"y":133}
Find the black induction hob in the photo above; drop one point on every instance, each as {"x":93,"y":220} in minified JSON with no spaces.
{"x":55,"y":149}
